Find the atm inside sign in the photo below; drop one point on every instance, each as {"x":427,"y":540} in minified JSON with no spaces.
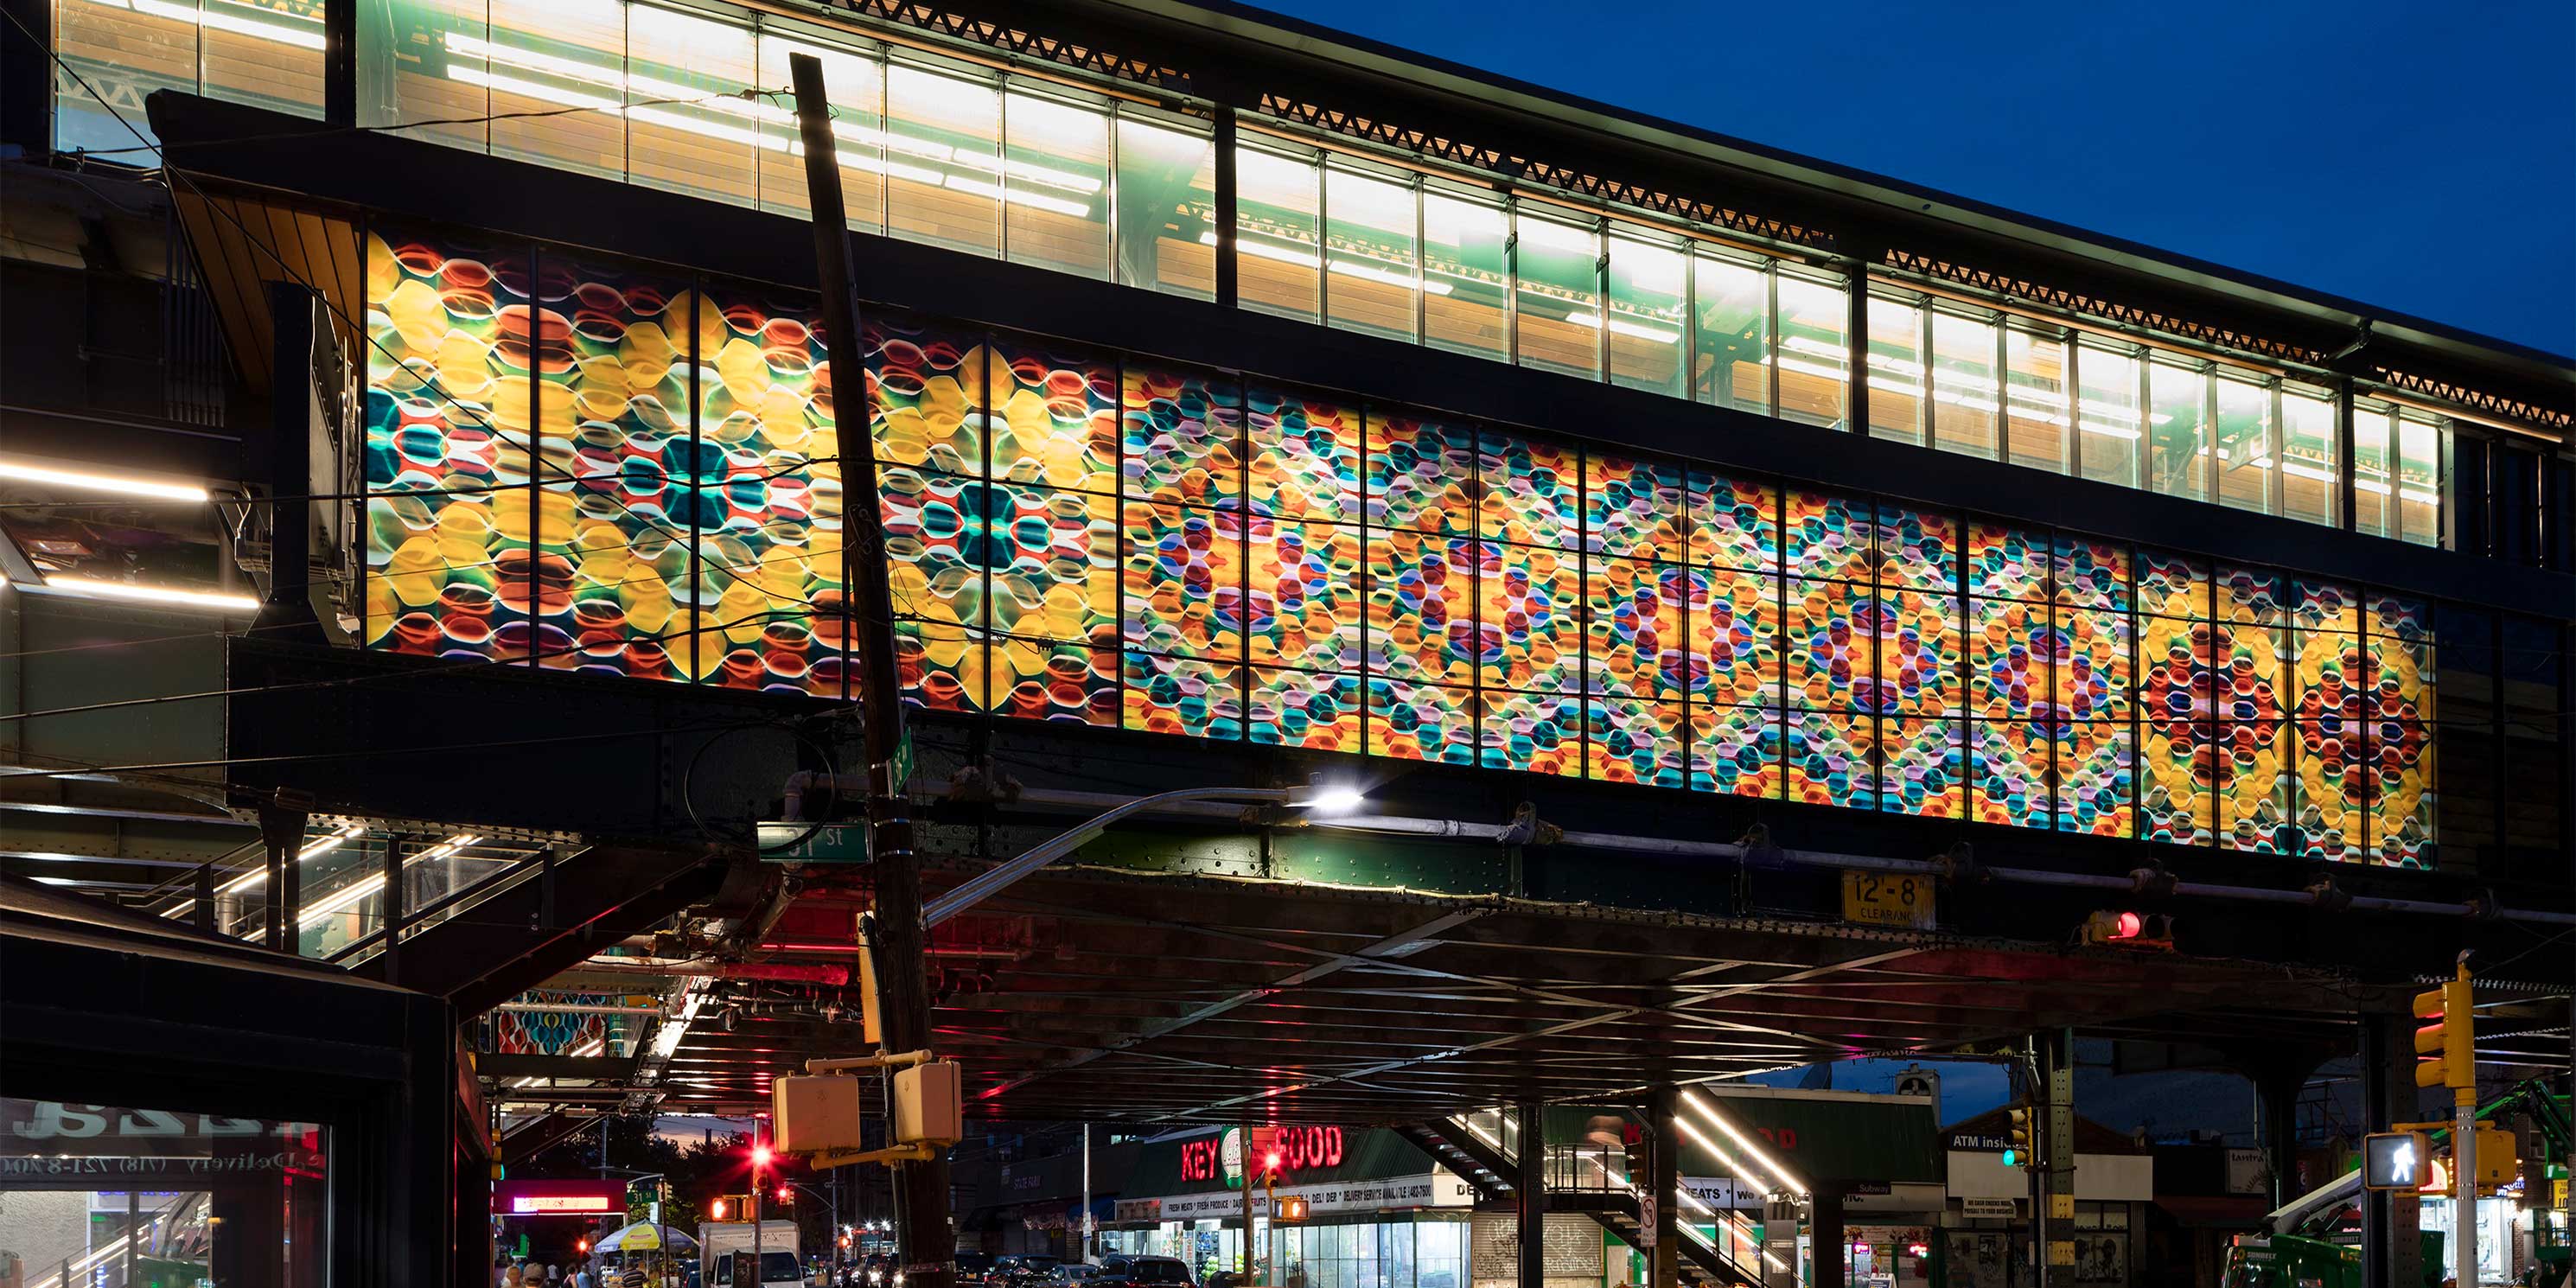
{"x":1888,"y":899}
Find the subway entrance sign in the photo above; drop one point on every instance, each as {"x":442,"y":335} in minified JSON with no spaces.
{"x":2394,"y":1160}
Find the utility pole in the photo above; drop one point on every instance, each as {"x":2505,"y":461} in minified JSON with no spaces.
{"x":929,"y":1249}
{"x":1243,"y":1151}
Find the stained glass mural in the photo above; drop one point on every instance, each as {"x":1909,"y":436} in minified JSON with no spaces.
{"x":928,"y":387}
{"x":447,"y":445}
{"x":1181,"y":436}
{"x":763,"y":485}
{"x":1055,"y":416}
{"x":594,"y":467}
{"x":1304,"y":455}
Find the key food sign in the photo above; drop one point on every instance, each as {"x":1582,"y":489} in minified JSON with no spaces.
{"x":1300,"y":1149}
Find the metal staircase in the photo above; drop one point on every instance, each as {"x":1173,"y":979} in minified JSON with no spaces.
{"x":1493,"y":1173}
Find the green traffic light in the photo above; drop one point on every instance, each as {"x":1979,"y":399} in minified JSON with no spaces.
{"x":2012,"y":1158}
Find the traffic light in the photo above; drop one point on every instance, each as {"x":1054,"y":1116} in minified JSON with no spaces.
{"x":786,"y":1196}
{"x":2125,"y":929}
{"x":2021,"y":1136}
{"x":1291,"y":1208}
{"x":716,"y":1210}
{"x":581,"y":1247}
{"x":759,"y":1157}
{"x":2446,"y":1049}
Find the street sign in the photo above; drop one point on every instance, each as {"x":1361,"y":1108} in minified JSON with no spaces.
{"x":1888,"y":899}
{"x":1646,"y":1221}
{"x":1989,"y":1209}
{"x":2394,"y":1160}
{"x":808,"y":843}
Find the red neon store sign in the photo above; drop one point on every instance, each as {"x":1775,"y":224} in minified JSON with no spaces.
{"x":1299,"y":1149}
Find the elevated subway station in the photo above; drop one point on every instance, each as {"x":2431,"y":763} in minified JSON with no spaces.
{"x":1257,"y":406}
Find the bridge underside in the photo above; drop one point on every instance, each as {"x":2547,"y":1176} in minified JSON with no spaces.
{"x":1108,"y":995}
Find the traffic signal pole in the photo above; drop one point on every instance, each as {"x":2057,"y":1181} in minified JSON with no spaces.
{"x":929,"y":1248}
{"x":2447,"y":1051}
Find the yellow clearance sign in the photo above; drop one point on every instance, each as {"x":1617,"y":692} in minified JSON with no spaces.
{"x":1888,"y":899}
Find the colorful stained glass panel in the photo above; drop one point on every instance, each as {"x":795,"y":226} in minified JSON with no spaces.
{"x":1181,"y":436}
{"x":1304,"y":455}
{"x":447,"y":446}
{"x":1433,"y":722}
{"x":1735,"y":640}
{"x":1830,"y":760}
{"x":1187,"y":696}
{"x":762,"y":487}
{"x":1636,"y":509}
{"x":1735,"y":750}
{"x":1638,"y":633}
{"x":1421,"y":475}
{"x":1529,"y":492}
{"x":1305,"y":608}
{"x":1636,"y":740}
{"x":1055,"y":415}
{"x":1539,"y":733}
{"x":1421,"y":612}
{"x":1530,"y":635}
{"x":1307,"y":709}
{"x":1183,"y":580}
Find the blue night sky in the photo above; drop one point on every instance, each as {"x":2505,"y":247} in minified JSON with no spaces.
{"x":2373,"y":149}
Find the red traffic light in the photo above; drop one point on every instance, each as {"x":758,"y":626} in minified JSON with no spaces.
{"x":581,"y":1246}
{"x":760,"y":1156}
{"x":786,"y":1195}
{"x":2129,"y":926}
{"x":716,"y":1210}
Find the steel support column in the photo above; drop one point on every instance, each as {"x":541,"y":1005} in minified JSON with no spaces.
{"x":2057,"y":1151}
{"x":1227,"y":280}
{"x":1825,"y":1238}
{"x":1531,"y":1189}
{"x":2391,"y":1255}
{"x":2276,"y":1088}
{"x":1663,"y":1111}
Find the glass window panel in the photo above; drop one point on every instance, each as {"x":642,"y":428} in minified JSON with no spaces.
{"x":547,"y":55}
{"x":2035,"y":425}
{"x":1964,"y":393}
{"x":1647,"y":287}
{"x":1895,"y":370}
{"x":1815,"y":354}
{"x":1466,"y":269}
{"x":1558,"y":294}
{"x":707,"y":149}
{"x":2107,"y":421}
{"x":442,"y":73}
{"x":124,"y":54}
{"x":1375,"y":263}
{"x":1166,"y":208}
{"x":267,"y":55}
{"x":2372,"y":494}
{"x":2419,"y":478}
{"x":943,"y":147}
{"x":1055,"y":184}
{"x":1731,"y":303}
{"x":2177,"y":439}
{"x":1276,"y":265}
{"x":854,"y":83}
{"x":2244,"y":443}
{"x":262,"y":1211}
{"x":2310,"y":461}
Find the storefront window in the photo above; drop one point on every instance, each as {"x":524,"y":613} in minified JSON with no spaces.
{"x":97,"y":1196}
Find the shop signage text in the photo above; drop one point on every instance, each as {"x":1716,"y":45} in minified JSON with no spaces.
{"x":1299,"y":1148}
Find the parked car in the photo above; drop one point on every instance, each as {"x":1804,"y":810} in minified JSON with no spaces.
{"x":1019,"y":1270}
{"x":1072,"y":1274}
{"x":1125,"y":1271}
{"x":972,"y":1266}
